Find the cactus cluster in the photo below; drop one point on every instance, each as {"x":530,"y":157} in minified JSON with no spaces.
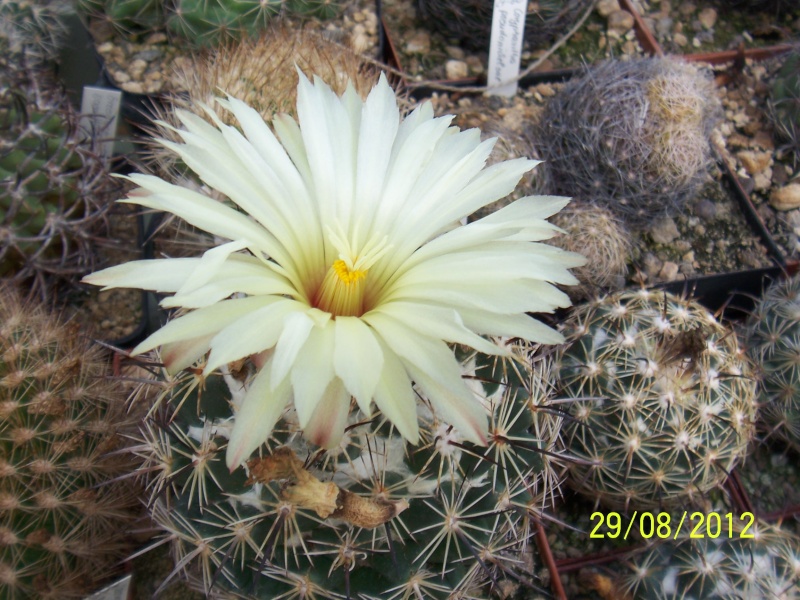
{"x":596,"y":233}
{"x":53,"y":188}
{"x":470,"y":22}
{"x":263,"y":73}
{"x":630,"y":135}
{"x":62,"y":520}
{"x":201,"y":22}
{"x":772,"y":339}
{"x":784,"y":104}
{"x":371,"y":518}
{"x":766,"y":565}
{"x":665,"y":401}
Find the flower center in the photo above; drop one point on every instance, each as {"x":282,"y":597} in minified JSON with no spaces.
{"x":342,"y":291}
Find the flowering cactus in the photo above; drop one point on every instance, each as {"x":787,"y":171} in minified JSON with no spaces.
{"x":347,"y":272}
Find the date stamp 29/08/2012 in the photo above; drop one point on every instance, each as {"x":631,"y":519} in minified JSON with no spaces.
{"x":664,"y":525}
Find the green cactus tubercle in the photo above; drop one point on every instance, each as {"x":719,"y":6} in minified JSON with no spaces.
{"x":372,"y":518}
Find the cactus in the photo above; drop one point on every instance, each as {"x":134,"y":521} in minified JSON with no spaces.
{"x":212,"y":22}
{"x":597,"y":234}
{"x":53,"y":189}
{"x":31,"y":32}
{"x":772,"y":339}
{"x":631,"y":136}
{"x":128,"y":18}
{"x":263,"y":73}
{"x":784,"y":104}
{"x":666,"y":401}
{"x":470,"y":22}
{"x":766,"y":565}
{"x":62,"y":520}
{"x":372,"y":518}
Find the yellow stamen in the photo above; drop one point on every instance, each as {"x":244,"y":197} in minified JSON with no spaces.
{"x":342,"y":291}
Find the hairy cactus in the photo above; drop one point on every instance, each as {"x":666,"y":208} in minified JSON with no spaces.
{"x":766,"y":565}
{"x":596,"y":233}
{"x":53,"y":188}
{"x":665,"y":400}
{"x":372,"y":518}
{"x":470,"y":21}
{"x":263,"y":73}
{"x":772,"y":339}
{"x":784,"y":104}
{"x":62,"y":521}
{"x":630,"y":135}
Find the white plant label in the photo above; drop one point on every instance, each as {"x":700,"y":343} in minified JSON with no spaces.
{"x":120,"y":590}
{"x":99,"y":116}
{"x":505,"y":47}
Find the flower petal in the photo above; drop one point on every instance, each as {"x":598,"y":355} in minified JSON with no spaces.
{"x":329,"y":419}
{"x":357,"y":359}
{"x":395,"y":397}
{"x":313,"y":371}
{"x":296,"y":328}
{"x":202,"y":322}
{"x":261,"y":408}
{"x":158,"y":275}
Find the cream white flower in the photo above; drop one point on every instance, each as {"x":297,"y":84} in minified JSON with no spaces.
{"x":346,"y":271}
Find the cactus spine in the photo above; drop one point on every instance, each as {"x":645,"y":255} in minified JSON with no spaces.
{"x":62,"y":522}
{"x":665,"y":400}
{"x":772,"y":339}
{"x":373,"y":518}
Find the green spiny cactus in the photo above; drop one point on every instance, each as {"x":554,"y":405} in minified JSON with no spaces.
{"x":62,"y":521}
{"x":665,"y":400}
{"x":596,"y":233}
{"x":630,"y":135}
{"x":53,"y":189}
{"x":784,"y":104}
{"x":30,"y":31}
{"x":129,"y":18}
{"x":470,"y":21}
{"x":372,"y":518}
{"x":764,"y":566}
{"x":772,"y":339}
{"x":319,"y":9}
{"x":212,"y":22}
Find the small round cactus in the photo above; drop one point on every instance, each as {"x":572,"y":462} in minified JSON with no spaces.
{"x":665,"y":401}
{"x":630,"y":135}
{"x":772,"y":339}
{"x":372,"y":518}
{"x":31,"y":32}
{"x":766,"y":565}
{"x":63,"y":517}
{"x":596,"y":233}
{"x":53,"y":189}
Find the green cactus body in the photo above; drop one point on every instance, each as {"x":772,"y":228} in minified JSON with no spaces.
{"x":62,"y":523}
{"x":664,"y":399}
{"x":53,"y":189}
{"x":764,"y":566}
{"x":373,"y":518}
{"x":212,"y":22}
{"x":319,"y":9}
{"x":772,"y":339}
{"x":784,"y":103}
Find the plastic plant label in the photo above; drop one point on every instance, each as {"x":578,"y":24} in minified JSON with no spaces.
{"x":505,"y":47}
{"x":119,"y":590}
{"x":99,"y":115}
